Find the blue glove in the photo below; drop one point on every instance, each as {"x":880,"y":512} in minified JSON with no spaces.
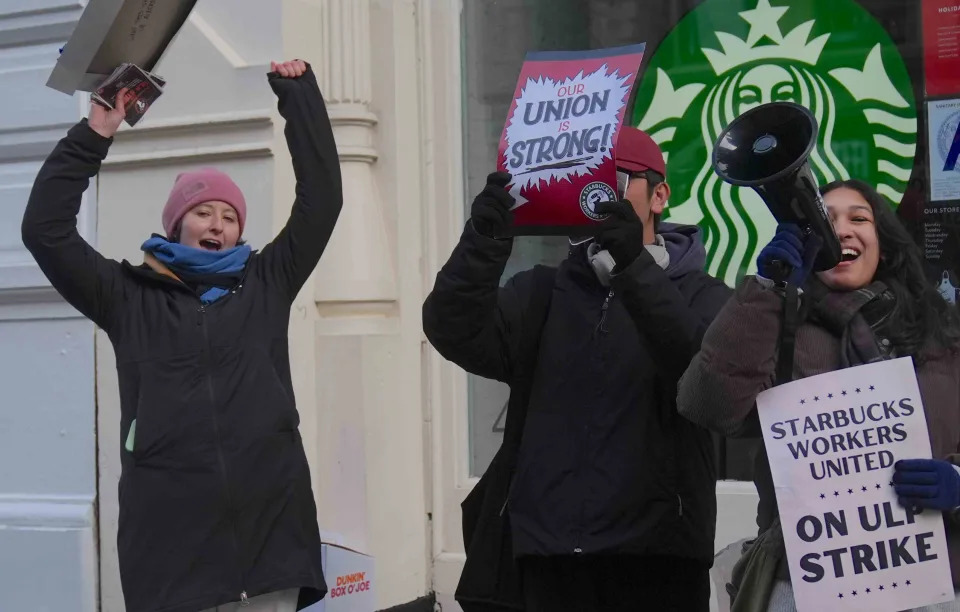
{"x":927,"y":483}
{"x":791,"y":248}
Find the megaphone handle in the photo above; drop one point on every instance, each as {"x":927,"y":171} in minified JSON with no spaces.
{"x":780,"y":271}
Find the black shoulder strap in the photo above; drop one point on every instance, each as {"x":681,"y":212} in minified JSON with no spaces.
{"x":788,"y":335}
{"x":533,"y":320}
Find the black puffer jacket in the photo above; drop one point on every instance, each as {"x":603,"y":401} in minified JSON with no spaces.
{"x":215,"y":498}
{"x":606,"y":463}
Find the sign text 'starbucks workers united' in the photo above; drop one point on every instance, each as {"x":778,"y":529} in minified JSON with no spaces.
{"x":727,"y":56}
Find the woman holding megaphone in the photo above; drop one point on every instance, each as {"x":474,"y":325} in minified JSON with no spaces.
{"x":216,"y":503}
{"x":875,"y":304}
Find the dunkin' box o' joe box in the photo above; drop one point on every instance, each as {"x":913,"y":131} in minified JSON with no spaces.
{"x":350,"y":581}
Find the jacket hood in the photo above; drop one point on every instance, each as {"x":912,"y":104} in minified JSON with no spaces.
{"x":685,"y":247}
{"x":682,"y":243}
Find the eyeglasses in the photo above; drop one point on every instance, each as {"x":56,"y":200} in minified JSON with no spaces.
{"x":652,"y":176}
{"x":624,"y":177}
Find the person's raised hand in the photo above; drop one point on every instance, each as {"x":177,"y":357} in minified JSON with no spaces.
{"x":105,"y":121}
{"x":622,"y":233}
{"x":490,"y":212}
{"x":289,"y":70}
{"x":789,"y":253}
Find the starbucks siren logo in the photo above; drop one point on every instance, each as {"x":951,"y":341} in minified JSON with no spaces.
{"x":856,"y":85}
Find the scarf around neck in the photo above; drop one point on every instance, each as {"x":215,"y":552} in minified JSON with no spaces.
{"x":856,"y":317}
{"x":210,"y":273}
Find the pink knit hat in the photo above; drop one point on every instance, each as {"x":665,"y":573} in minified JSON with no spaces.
{"x":203,"y":185}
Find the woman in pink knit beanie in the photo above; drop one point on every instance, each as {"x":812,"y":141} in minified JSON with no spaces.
{"x":205,"y":210}
{"x":216,"y":502}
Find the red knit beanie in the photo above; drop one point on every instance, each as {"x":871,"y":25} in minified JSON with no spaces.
{"x":203,"y":185}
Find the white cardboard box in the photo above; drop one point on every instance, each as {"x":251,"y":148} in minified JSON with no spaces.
{"x":111,"y":32}
{"x":350,"y":581}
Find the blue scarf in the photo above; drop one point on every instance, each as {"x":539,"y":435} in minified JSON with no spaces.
{"x":199,"y":264}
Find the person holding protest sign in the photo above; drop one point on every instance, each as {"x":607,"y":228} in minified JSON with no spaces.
{"x":216,"y":504}
{"x":611,"y":499}
{"x":874,"y":305}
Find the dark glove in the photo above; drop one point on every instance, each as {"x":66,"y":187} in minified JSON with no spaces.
{"x":790,"y":247}
{"x":622,"y":233}
{"x":927,"y":483}
{"x":490,"y":212}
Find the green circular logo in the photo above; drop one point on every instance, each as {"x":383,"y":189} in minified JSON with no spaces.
{"x":727,"y":56}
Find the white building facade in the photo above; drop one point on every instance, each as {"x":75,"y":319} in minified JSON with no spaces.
{"x":395,"y":435}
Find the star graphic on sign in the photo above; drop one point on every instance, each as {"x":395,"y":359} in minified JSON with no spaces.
{"x":864,"y":489}
{"x":843,"y":393}
{"x":763,"y":22}
{"x":872,"y":388}
{"x":858,"y":389}
{"x":891,"y":483}
{"x":878,"y":485}
{"x":894,"y":585}
{"x":836,"y":493}
{"x":840,"y":595}
{"x":829,"y":395}
{"x":822,"y":496}
{"x":908,"y":583}
{"x":850,"y":491}
{"x":881,"y":587}
{"x":816,"y":398}
{"x":803,"y":401}
{"x":868,"y":590}
{"x":854,"y":593}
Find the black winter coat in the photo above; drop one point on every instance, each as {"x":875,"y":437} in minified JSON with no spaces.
{"x":606,"y":464}
{"x":215,"y":498}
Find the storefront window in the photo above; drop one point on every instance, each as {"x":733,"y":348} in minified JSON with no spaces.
{"x":857,"y":64}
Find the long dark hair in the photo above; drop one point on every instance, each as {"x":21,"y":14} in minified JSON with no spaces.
{"x":922,"y":320}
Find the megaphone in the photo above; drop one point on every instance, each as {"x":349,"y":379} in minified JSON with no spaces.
{"x":768,"y":148}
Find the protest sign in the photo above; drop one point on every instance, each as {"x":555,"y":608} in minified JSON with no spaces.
{"x":560,"y":136}
{"x":832,"y":441}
